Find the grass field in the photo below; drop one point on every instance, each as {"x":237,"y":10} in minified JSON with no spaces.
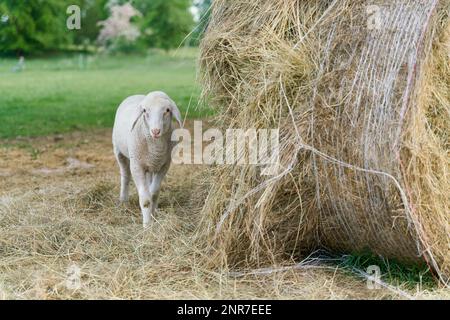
{"x":62,"y":94}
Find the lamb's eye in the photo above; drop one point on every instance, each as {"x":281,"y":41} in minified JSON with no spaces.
{"x":167,"y":110}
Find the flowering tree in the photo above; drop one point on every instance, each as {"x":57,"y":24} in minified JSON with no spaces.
{"x":118,"y":26}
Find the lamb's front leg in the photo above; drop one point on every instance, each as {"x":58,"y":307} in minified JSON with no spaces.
{"x":155,"y":187}
{"x":140,"y":180}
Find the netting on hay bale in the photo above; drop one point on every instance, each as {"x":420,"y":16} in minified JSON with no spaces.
{"x":361,"y":93}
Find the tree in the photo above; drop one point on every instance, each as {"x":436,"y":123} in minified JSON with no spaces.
{"x":165,"y":23}
{"x":203,"y":12}
{"x":92,"y":11}
{"x":118,"y":33}
{"x":32,"y":26}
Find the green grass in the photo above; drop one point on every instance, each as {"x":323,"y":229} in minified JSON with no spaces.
{"x":61,"y":94}
{"x":393,"y":272}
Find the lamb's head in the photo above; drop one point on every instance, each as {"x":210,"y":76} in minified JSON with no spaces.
{"x":158,"y":110}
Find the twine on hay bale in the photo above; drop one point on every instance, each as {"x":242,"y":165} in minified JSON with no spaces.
{"x":363,"y":112}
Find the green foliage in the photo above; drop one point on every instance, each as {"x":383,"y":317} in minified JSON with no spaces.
{"x":392,"y":271}
{"x":123,"y":46}
{"x":92,"y":11}
{"x":38,"y":26}
{"x":164,"y":23}
{"x":33,"y":26}
{"x":204,"y":13}
{"x":80,"y":92}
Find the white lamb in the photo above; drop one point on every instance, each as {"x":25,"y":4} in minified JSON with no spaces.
{"x":142,"y":146}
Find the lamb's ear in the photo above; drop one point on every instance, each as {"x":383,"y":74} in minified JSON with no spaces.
{"x":176,"y":113}
{"x":141,"y":112}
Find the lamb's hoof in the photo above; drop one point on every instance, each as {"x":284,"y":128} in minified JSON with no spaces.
{"x":123,"y":203}
{"x":146,"y":225}
{"x":124,"y":200}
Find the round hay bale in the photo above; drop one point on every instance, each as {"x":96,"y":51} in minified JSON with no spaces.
{"x":360,"y":92}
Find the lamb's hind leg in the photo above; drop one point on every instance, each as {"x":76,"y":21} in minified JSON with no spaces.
{"x":125,"y":176}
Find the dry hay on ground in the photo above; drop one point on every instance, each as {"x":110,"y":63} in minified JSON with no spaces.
{"x":364,"y":119}
{"x":52,"y":221}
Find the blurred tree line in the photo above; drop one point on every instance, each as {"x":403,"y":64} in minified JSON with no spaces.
{"x":39,"y":26}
